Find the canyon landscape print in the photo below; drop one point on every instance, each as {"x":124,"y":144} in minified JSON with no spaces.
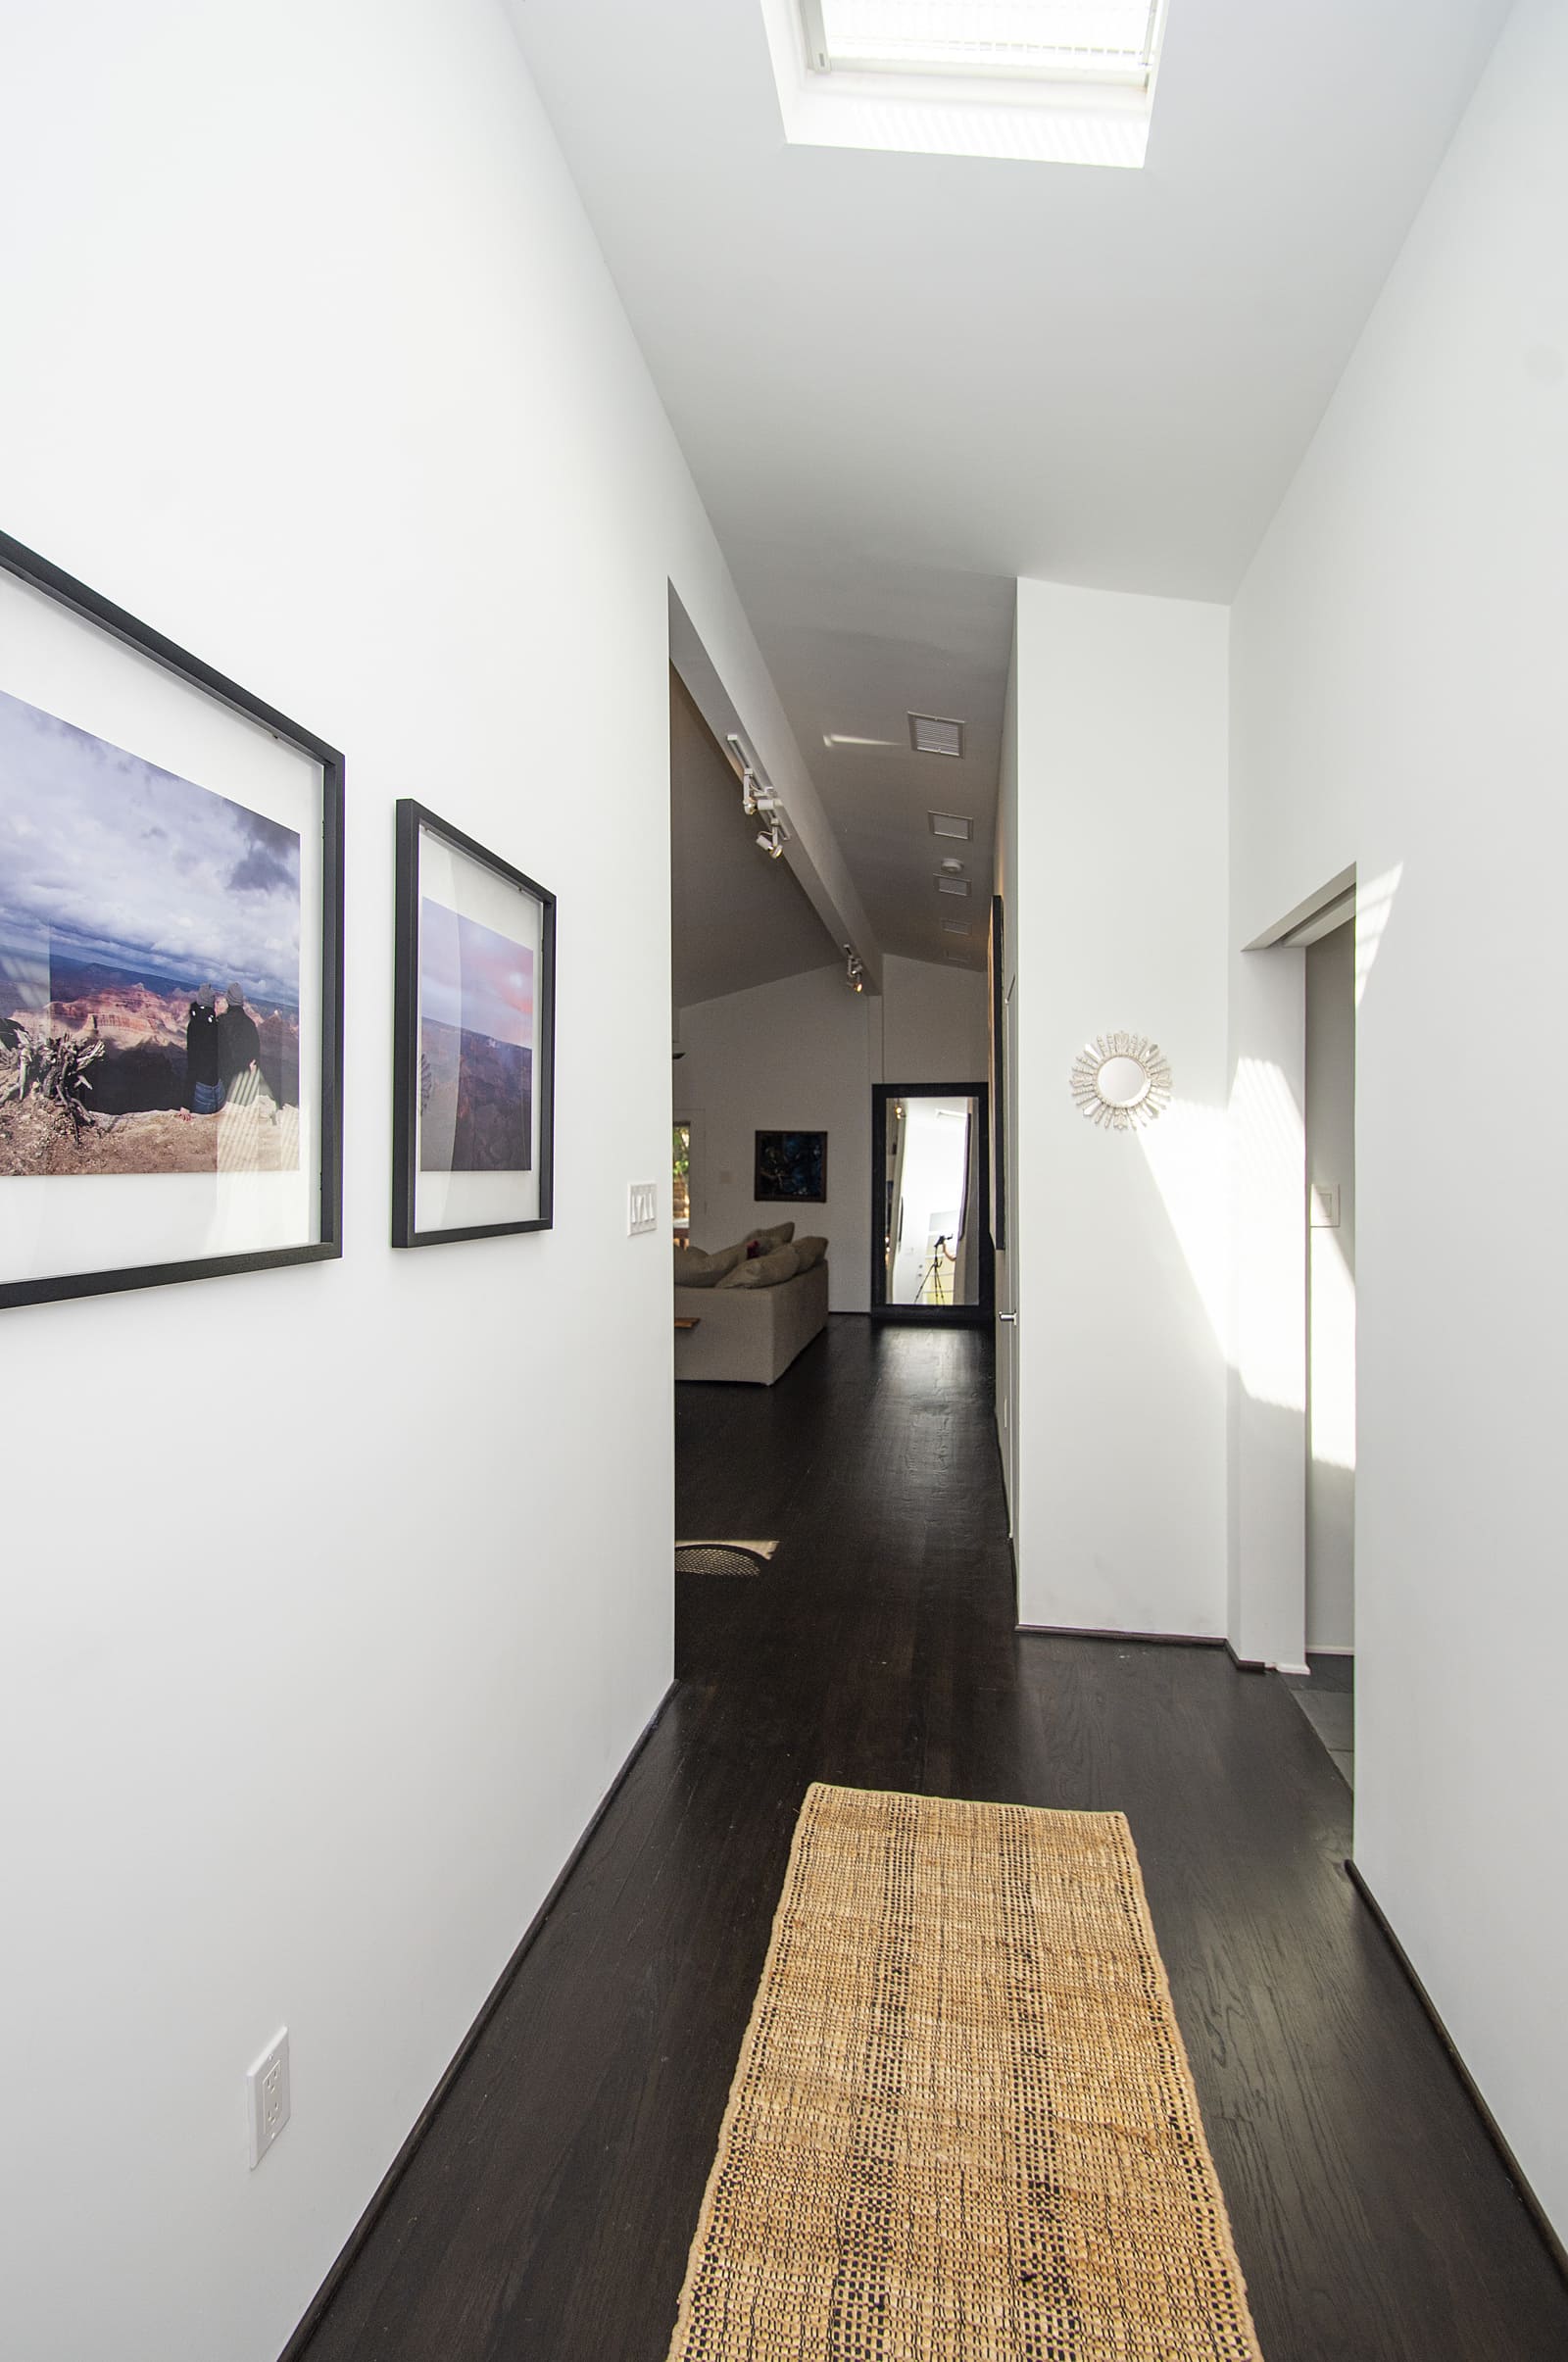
{"x":475,"y":1047}
{"x":124,"y":891}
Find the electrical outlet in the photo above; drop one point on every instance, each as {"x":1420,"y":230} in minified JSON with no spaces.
{"x":642,"y":1209}
{"x":267,"y":2097}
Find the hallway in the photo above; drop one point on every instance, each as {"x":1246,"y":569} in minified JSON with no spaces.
{"x":547,"y":2215}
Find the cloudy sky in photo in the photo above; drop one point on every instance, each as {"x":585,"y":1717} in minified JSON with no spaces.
{"x":106,"y":859}
{"x":471,"y":976}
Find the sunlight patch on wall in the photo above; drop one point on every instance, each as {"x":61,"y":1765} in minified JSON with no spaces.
{"x":1188,"y":1154}
{"x":1373,"y":904}
{"x":1331,"y":1415}
{"x":1268,"y":1140}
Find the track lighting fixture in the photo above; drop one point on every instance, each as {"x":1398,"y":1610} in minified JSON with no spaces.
{"x":854,"y":969}
{"x":760,"y":802}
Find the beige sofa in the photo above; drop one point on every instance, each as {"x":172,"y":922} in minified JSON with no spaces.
{"x":749,"y":1336}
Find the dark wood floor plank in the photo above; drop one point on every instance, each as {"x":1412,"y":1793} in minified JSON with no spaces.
{"x":547,"y":2215}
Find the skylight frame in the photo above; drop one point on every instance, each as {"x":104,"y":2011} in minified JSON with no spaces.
{"x":994,"y":119}
{"x":1066,"y":64}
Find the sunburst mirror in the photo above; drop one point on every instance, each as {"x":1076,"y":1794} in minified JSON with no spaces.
{"x":1121,"y":1079}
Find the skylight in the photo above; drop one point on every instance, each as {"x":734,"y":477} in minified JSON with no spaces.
{"x":1048,"y":82}
{"x":1040,"y":40}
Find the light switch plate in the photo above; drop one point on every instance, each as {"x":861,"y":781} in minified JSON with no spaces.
{"x":642,"y":1209}
{"x":267,"y":2095}
{"x":1325,"y":1205}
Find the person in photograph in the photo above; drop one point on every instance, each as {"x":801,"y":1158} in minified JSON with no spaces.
{"x":204,"y":1081}
{"x":239,"y":1048}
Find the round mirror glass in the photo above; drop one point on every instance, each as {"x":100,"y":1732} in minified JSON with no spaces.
{"x":1122,"y":1082}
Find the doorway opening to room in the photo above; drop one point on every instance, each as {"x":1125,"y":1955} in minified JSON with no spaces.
{"x":931,"y":1247}
{"x":1327,"y":1695}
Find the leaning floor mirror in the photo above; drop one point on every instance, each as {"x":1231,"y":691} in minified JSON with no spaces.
{"x":931,"y":1252}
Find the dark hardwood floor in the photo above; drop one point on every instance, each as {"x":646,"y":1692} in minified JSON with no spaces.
{"x":548,"y":2213}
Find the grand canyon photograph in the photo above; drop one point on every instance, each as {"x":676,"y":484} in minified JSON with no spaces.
{"x":149,"y":964}
{"x":475,"y":1047}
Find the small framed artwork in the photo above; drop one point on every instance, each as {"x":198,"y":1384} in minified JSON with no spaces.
{"x":170,"y":959}
{"x":791,"y":1169}
{"x":473,"y":1111}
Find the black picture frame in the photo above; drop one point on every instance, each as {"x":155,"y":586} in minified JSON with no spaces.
{"x":999,"y":1076}
{"x":412,"y":818}
{"x":972,"y":1315}
{"x":806,"y":1152}
{"x":26,"y":567}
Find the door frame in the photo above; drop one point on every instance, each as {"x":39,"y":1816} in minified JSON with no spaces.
{"x":944,"y":1317}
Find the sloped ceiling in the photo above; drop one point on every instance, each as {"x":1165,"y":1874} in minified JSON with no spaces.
{"x":902,"y":381}
{"x":737,"y":918}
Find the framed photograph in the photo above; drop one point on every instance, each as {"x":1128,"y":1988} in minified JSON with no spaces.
{"x":791,"y":1169}
{"x":170,"y":959}
{"x":998,"y":1097}
{"x":473,"y":1151}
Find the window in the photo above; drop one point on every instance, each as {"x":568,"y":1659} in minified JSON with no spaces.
{"x":1040,"y":40}
{"x":1048,"y":82}
{"x":681,"y":1175}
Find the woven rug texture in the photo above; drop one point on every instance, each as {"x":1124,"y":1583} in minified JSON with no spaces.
{"x":962,"y":2127}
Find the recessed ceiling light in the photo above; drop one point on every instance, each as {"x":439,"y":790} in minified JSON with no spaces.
{"x":930,"y":734}
{"x":954,"y":868}
{"x":953,"y":885}
{"x":951,"y":825}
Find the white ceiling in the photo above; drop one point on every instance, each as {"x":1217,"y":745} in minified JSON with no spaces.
{"x":902,"y":381}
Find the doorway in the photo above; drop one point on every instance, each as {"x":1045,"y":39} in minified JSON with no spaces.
{"x":1327,"y":1694}
{"x":931,"y":1252}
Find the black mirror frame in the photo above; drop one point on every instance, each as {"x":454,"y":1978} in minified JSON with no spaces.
{"x":931,"y":1315}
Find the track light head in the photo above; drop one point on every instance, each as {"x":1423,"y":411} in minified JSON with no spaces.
{"x":771,"y":840}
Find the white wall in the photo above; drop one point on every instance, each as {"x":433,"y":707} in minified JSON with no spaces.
{"x":317,"y":367}
{"x":934,"y":1028}
{"x":794,"y":1055}
{"x":1117,"y":915}
{"x":1397,"y":660}
{"x":802,"y":1055}
{"x":1330,"y":1127}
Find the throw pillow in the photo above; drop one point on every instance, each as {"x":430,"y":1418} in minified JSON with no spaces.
{"x":810,"y":1251}
{"x":779,"y":1236}
{"x":694,"y":1270}
{"x":765,"y":1271}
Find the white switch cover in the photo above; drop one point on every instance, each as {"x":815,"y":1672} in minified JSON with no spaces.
{"x":642,"y":1209}
{"x":1325,"y":1205}
{"x":267,"y":2095}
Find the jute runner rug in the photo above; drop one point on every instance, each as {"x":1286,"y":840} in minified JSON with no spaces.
{"x":962,"y":2127}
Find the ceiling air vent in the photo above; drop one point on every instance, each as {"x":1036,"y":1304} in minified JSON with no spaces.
{"x":953,"y":885}
{"x":951,"y":825}
{"x":929,"y":735}
{"x":955,"y":926}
